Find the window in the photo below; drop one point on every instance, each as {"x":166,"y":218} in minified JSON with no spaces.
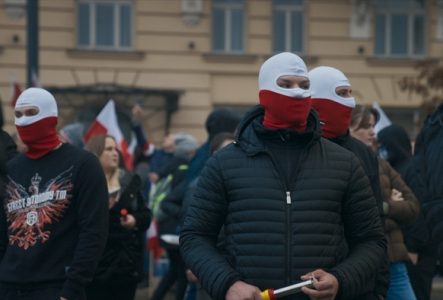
{"x":400,"y":28}
{"x":228,"y":26}
{"x":287,"y":26}
{"x":104,"y":24}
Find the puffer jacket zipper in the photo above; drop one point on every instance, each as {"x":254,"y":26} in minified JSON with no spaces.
{"x":288,"y":235}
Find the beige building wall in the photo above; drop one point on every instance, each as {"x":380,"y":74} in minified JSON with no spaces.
{"x":170,"y":55}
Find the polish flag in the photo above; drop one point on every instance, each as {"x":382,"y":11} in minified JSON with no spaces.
{"x":106,"y":124}
{"x":16,"y":91}
{"x":153,"y":241}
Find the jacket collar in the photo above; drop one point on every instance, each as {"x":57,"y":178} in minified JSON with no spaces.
{"x":251,"y":133}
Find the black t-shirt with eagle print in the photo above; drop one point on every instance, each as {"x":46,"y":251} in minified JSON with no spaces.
{"x":54,"y":220}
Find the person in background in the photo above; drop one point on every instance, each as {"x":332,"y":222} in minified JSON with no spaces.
{"x":219,"y":120}
{"x":168,"y":214}
{"x":73,"y":134}
{"x":119,"y":268}
{"x":400,"y":206}
{"x":161,"y":157}
{"x":395,"y":146}
{"x":427,"y":163}
{"x":53,"y":224}
{"x":332,"y":98}
{"x":293,"y":206}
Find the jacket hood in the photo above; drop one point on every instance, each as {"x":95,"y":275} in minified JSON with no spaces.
{"x":395,"y":140}
{"x":251,"y":126}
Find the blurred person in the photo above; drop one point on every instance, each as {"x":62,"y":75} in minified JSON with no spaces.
{"x":168,"y":214}
{"x":73,"y":134}
{"x":293,"y":205}
{"x":53,"y":224}
{"x":161,"y":157}
{"x":395,"y":146}
{"x":400,"y":206}
{"x":428,"y":165}
{"x":219,"y":120}
{"x":119,"y":268}
{"x":332,"y":98}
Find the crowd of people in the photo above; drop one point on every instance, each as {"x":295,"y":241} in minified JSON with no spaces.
{"x":299,"y":188}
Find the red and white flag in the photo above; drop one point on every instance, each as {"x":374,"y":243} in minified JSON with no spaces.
{"x":16,"y":91}
{"x":106,"y":124}
{"x":153,"y":241}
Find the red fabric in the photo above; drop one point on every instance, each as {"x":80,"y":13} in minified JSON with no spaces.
{"x":153,"y":241}
{"x":335,"y":118}
{"x":96,"y":128}
{"x":16,"y":91}
{"x":40,"y":137}
{"x":106,"y":124}
{"x":284,"y":112}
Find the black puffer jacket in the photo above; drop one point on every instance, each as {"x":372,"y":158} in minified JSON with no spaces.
{"x":275,"y":234}
{"x":428,"y":164}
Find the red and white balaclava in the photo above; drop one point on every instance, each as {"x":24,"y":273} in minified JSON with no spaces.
{"x":284,"y":108}
{"x":38,"y":132}
{"x":334,"y":111}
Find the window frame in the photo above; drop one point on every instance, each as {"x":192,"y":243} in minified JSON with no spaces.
{"x":288,"y":9}
{"x":411,"y":12}
{"x":227,"y":9}
{"x":117,"y":6}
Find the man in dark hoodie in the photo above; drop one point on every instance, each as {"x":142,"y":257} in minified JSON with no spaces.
{"x":293,"y":206}
{"x":395,"y":146}
{"x":53,"y":218}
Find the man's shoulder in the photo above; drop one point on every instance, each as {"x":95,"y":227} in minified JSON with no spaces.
{"x":76,"y":152}
{"x":333,"y":147}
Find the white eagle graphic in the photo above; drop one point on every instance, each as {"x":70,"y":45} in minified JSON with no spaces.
{"x":26,"y":225}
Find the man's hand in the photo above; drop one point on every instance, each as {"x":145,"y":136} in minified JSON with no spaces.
{"x":396,"y":195}
{"x":325,"y":285}
{"x":190,"y":276}
{"x":242,"y":291}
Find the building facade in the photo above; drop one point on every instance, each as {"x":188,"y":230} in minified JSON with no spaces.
{"x":181,"y":58}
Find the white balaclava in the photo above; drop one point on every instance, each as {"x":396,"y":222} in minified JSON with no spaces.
{"x":38,"y":132}
{"x":334,"y":111}
{"x":284,"y":107}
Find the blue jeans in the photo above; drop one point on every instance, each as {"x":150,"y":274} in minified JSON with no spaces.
{"x":399,"y":287}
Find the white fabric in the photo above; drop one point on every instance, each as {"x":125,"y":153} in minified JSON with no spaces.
{"x":383,"y":121}
{"x":280,"y":65}
{"x":324,"y":81}
{"x":36,"y":97}
{"x":108,"y":119}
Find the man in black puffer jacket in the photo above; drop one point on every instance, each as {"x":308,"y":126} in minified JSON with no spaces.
{"x":293,"y":205}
